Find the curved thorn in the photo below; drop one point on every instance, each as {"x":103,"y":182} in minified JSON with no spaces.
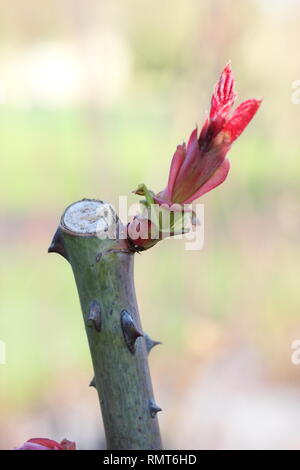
{"x":153,"y":408}
{"x":150,"y":343}
{"x":130,"y":331}
{"x":57,"y":245}
{"x":93,"y":383}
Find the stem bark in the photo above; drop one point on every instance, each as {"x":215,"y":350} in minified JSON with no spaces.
{"x":103,"y":271}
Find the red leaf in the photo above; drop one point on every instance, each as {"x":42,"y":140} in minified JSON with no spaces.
{"x":224,"y":95}
{"x":241,"y":118}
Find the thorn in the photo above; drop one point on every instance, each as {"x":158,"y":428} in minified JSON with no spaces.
{"x":130,"y":330}
{"x":150,"y":343}
{"x":95,"y":315}
{"x":98,"y":257}
{"x":57,"y":244}
{"x":93,"y":383}
{"x":154,"y":409}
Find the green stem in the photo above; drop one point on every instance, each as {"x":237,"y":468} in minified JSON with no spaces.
{"x":103,"y":271}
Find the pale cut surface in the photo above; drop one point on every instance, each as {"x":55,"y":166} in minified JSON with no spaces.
{"x":89,"y":217}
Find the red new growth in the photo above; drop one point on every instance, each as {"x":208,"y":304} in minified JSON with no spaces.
{"x":41,"y":443}
{"x":202,"y":165}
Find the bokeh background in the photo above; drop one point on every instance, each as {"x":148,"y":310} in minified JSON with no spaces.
{"x":95,"y":96}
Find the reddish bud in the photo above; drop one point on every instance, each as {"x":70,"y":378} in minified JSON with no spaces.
{"x":47,"y":444}
{"x":201,"y":166}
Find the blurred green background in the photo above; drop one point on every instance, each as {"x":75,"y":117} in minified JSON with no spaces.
{"x":95,"y":96}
